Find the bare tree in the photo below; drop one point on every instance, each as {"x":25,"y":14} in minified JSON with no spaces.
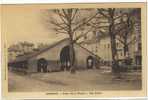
{"x":112,"y":16}
{"x":120,"y":25}
{"x":71,"y":22}
{"x":127,"y":36}
{"x":109,"y":14}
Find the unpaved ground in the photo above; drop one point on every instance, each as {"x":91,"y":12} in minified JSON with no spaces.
{"x":82,"y":80}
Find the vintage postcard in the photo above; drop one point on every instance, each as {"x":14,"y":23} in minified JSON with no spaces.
{"x":73,"y":50}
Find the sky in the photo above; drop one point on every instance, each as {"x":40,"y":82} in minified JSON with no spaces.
{"x":21,"y":23}
{"x":27,"y":23}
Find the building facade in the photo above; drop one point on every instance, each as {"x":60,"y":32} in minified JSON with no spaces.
{"x":55,"y":58}
{"x":102,"y":48}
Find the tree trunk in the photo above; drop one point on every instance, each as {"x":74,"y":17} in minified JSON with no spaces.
{"x":72,"y":57}
{"x":125,"y":49}
{"x":115,"y":65}
{"x":72,"y":51}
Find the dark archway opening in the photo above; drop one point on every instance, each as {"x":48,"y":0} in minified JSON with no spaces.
{"x":65,"y":58}
{"x":138,"y":60}
{"x":42,"y":65}
{"x":90,"y":62}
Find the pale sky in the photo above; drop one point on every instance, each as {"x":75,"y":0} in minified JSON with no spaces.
{"x":20,"y":23}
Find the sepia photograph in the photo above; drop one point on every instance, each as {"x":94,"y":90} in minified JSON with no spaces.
{"x":73,"y":48}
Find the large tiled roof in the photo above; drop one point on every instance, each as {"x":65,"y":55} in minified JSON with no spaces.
{"x":30,"y":55}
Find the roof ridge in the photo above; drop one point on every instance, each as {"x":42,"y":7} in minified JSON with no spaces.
{"x":28,"y":56}
{"x":50,"y":46}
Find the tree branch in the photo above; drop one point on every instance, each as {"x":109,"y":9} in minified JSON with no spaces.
{"x":60,"y":25}
{"x":65,"y":14}
{"x":119,"y":39}
{"x":62,"y":17}
{"x":100,"y":22}
{"x":132,"y":41}
{"x":60,"y":31}
{"x":97,"y":27}
{"x":117,"y":17}
{"x":84,"y":34}
{"x":74,"y":14}
{"x":83,"y":23}
{"x":103,"y":33}
{"x":119,"y":30}
{"x":101,"y":12}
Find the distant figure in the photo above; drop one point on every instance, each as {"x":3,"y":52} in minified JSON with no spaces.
{"x":42,"y":65}
{"x":68,"y":65}
{"x":90,"y":62}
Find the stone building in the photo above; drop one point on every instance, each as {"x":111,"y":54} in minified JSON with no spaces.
{"x":54,"y":58}
{"x":18,"y":49}
{"x":102,"y":48}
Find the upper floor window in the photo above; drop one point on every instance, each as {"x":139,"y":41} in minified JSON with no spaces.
{"x":108,"y":45}
{"x":117,"y":44}
{"x":104,"y":45}
{"x":139,"y":46}
{"x":121,"y":54}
